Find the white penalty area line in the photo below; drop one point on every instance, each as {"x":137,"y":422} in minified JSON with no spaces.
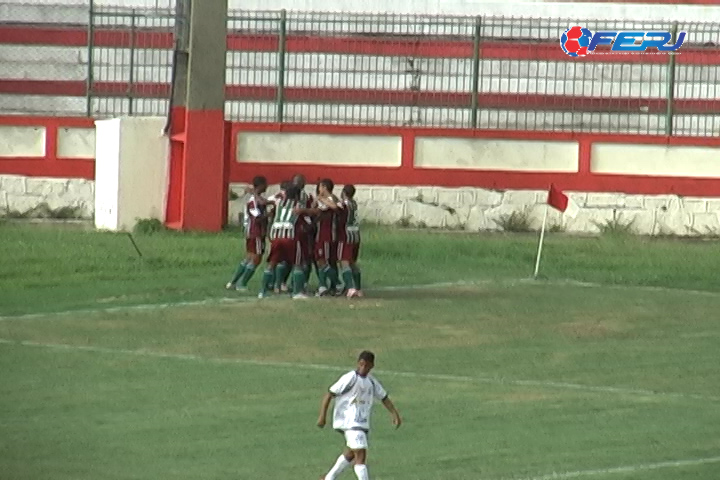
{"x":624,"y":470}
{"x":333,"y":368}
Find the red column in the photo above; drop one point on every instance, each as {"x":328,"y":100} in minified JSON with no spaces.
{"x":197,"y":193}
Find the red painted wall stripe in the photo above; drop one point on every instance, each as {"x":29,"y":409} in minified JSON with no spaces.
{"x":358,"y":45}
{"x":509,"y":101}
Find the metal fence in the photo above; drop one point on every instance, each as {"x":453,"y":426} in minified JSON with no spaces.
{"x":391,"y":70}
{"x":466,"y":72}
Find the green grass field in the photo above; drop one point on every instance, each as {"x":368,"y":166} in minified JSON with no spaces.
{"x":605,"y":369}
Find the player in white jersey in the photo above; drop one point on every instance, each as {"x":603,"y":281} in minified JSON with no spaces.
{"x":354,"y":394}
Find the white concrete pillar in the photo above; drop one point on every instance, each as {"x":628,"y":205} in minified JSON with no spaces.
{"x":131,"y":171}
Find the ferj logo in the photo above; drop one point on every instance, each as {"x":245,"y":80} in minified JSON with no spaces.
{"x":580,"y":41}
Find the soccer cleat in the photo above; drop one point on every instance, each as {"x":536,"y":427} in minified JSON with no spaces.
{"x":360,"y":293}
{"x":299,"y":296}
{"x":352,"y":292}
{"x":262,"y":295}
{"x":322,"y":291}
{"x":284,"y":288}
{"x":229,"y":286}
{"x":241,"y":288}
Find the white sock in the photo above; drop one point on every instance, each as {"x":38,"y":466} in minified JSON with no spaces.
{"x":340,"y":465}
{"x":361,"y":472}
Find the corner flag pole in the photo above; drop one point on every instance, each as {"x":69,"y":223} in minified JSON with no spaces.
{"x":540,"y":244}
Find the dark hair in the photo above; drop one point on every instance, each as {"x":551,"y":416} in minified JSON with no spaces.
{"x":285,"y":184}
{"x":327,"y":183}
{"x":349,"y":190}
{"x":367,"y":355}
{"x":292,"y":192}
{"x":259,"y":181}
{"x":299,"y":179}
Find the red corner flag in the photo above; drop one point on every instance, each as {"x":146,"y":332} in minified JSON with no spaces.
{"x":558,"y":200}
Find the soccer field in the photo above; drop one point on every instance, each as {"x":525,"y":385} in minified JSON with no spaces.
{"x":607,"y":369}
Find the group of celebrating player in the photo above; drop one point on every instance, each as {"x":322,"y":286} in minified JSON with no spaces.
{"x":304,"y":230}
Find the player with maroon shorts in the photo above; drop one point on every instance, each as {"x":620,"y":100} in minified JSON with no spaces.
{"x":348,"y":241}
{"x":255,"y":223}
{"x":286,"y":249}
{"x":285,"y":270}
{"x":325,"y":236}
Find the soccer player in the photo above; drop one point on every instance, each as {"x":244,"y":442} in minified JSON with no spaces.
{"x":284,"y":268}
{"x":354,"y":393}
{"x":348,"y":244}
{"x":285,"y":247}
{"x":255,"y":223}
{"x":325,"y":236}
{"x":308,"y":240}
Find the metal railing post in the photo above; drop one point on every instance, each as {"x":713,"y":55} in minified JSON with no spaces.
{"x":90,"y":47}
{"x":280,"y":100}
{"x":131,"y":77}
{"x":475,"y":73}
{"x":670,"y":93}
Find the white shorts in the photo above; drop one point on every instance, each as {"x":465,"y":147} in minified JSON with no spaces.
{"x":356,"y":439}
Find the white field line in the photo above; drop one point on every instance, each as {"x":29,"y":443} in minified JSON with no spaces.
{"x":220,"y":301}
{"x":392,"y":288}
{"x":315,"y":366}
{"x":626,"y":469}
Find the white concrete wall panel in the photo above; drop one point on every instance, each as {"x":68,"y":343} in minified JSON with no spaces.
{"x":22,"y":141}
{"x":489,"y":154}
{"x":656,"y":160}
{"x":319,"y":149}
{"x":76,"y":143}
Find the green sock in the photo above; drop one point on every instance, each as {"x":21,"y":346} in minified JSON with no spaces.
{"x":357,"y":278}
{"x":239,"y":272}
{"x":347,"y":276}
{"x":307,"y":270}
{"x":298,"y":280}
{"x":286,"y":274}
{"x":333,"y":276}
{"x":267,"y":281}
{"x":322,"y":275}
{"x":281,"y":274}
{"x":247,"y":275}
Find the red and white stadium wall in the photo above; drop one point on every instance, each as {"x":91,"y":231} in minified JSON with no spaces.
{"x":491,"y":159}
{"x":439,"y":178}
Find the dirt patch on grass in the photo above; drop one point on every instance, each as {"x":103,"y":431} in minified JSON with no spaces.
{"x":589,"y":329}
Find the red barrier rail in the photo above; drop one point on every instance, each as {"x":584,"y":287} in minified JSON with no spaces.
{"x":50,"y":164}
{"x":350,"y":96}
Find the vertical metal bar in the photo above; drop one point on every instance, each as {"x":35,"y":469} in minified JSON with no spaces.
{"x":475,"y":73}
{"x":280,"y":100}
{"x":131,"y":78}
{"x":90,"y":48}
{"x":670,"y":95}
